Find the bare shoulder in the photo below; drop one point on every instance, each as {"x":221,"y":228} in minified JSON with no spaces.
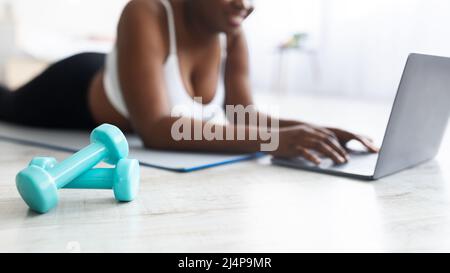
{"x":150,"y":9}
{"x":143,"y":20}
{"x":147,"y":12}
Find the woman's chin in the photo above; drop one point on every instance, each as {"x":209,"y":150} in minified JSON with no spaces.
{"x":235,"y":21}
{"x":232,"y":28}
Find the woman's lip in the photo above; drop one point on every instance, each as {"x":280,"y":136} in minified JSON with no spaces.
{"x":236,"y":20}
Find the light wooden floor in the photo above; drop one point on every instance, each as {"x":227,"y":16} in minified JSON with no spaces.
{"x":250,"y":206}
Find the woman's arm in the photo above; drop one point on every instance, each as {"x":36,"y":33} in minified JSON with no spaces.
{"x":237,"y":82}
{"x":237,"y":79}
{"x":142,"y":50}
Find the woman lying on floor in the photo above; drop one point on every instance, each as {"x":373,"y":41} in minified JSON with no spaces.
{"x":167,"y":52}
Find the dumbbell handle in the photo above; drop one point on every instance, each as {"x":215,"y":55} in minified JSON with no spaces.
{"x":100,"y":179}
{"x":85,"y":159}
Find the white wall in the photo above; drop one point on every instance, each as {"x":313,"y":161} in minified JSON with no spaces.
{"x":74,"y":17}
{"x":365,"y":44}
{"x":271,"y":24}
{"x":362,"y":44}
{"x":51,"y":29}
{"x":6,"y":37}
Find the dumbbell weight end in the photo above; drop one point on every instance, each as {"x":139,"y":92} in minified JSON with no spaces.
{"x":38,"y":186}
{"x":123,"y":179}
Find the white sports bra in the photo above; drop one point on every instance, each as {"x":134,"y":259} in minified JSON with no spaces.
{"x":177,"y":94}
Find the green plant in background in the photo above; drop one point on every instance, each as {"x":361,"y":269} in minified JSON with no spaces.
{"x":296,"y":41}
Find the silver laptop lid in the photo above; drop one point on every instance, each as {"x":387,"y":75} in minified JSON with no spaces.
{"x":419,"y":115}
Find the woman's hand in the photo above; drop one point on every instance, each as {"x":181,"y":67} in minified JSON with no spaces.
{"x":308,"y":141}
{"x":345,"y":137}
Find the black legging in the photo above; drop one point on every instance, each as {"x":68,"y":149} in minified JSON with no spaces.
{"x":57,"y":98}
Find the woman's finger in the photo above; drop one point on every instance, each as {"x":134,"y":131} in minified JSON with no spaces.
{"x":345,"y":137}
{"x":333,"y":143}
{"x":308,"y":155}
{"x":318,"y":140}
{"x":327,"y":151}
{"x":326,"y":131}
{"x":367,"y":143}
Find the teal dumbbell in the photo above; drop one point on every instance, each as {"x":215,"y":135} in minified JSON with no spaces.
{"x":39,"y":187}
{"x":123,"y":179}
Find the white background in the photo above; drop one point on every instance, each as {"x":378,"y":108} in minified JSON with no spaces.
{"x":361,"y":45}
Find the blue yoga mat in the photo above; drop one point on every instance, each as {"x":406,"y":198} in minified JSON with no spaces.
{"x":72,"y":141}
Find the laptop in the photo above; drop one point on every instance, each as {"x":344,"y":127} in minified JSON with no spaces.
{"x":415,"y":130}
